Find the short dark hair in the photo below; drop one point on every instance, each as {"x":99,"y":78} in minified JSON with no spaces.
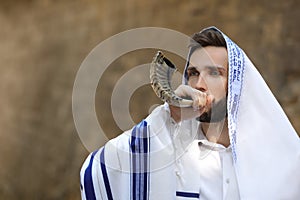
{"x":208,"y":37}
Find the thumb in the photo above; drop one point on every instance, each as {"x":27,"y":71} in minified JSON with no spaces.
{"x":209,"y":100}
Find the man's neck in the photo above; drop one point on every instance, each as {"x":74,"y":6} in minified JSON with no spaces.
{"x":216,"y":132}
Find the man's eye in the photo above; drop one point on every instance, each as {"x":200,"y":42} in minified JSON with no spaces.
{"x":193,"y":73}
{"x":214,"y":72}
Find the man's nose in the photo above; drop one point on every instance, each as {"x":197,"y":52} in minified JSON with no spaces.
{"x":201,"y":84}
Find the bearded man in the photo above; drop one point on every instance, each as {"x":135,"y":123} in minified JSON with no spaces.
{"x":234,"y":142}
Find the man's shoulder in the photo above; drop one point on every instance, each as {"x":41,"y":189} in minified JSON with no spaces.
{"x":120,"y":147}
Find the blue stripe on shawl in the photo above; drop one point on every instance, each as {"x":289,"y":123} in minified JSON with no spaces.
{"x":187,"y":194}
{"x":145,"y":161}
{"x":139,"y":160}
{"x":88,"y":180}
{"x":105,"y":177}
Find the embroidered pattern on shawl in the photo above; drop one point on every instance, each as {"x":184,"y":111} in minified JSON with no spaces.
{"x":236,"y":65}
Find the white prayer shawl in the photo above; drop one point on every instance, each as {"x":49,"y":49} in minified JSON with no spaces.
{"x":266,"y":148}
{"x":139,"y":164}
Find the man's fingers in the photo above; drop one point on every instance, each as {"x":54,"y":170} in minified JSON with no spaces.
{"x":201,"y":103}
{"x":200,"y":99}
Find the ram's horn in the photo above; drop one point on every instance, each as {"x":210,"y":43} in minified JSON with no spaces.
{"x":161,"y":72}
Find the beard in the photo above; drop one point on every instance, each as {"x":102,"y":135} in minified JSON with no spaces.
{"x":216,"y":113}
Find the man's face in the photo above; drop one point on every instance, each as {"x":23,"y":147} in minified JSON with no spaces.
{"x":207,"y":72}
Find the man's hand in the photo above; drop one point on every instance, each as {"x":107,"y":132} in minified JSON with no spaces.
{"x":201,"y":103}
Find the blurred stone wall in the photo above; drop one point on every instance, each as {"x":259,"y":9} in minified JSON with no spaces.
{"x":43,"y":42}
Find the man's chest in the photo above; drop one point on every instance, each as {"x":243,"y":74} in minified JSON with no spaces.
{"x":206,"y":172}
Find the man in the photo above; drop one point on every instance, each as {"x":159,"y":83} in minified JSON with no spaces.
{"x":234,"y":143}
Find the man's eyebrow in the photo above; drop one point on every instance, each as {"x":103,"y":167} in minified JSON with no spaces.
{"x":191,"y":68}
{"x":208,"y":67}
{"x":218,"y":67}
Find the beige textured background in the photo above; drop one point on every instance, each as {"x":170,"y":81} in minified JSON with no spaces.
{"x":43,"y":42}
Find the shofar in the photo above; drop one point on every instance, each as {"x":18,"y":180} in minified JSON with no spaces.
{"x":161,"y":72}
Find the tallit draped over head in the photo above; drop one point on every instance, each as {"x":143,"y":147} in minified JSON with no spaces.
{"x":140,"y":163}
{"x":265,"y":146}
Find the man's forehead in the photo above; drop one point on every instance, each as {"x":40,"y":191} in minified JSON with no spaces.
{"x":209,"y":56}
